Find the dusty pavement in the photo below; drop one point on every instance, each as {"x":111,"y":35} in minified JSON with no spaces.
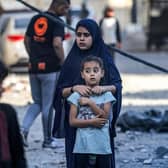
{"x":143,"y":89}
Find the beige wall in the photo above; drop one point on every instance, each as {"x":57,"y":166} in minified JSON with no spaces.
{"x":122,"y":8}
{"x":99,"y":5}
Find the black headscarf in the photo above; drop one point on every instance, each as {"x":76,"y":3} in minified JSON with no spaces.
{"x":70,"y":72}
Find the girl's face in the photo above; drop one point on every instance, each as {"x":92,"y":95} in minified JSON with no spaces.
{"x":83,"y":38}
{"x":92,"y":73}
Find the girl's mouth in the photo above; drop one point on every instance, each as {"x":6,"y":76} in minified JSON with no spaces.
{"x":92,"y":79}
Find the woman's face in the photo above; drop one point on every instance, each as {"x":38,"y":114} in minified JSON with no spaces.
{"x":83,"y":38}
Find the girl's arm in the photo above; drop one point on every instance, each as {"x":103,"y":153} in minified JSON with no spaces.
{"x":102,"y":112}
{"x":81,"y":89}
{"x":80,"y":123}
{"x":101,"y":89}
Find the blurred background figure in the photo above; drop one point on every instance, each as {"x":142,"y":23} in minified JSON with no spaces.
{"x":84,"y":11}
{"x":11,"y":144}
{"x":110,"y":29}
{"x":44,"y":45}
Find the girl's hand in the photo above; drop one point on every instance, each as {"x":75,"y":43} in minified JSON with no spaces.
{"x":98,"y":122}
{"x":82,"y":90}
{"x":98,"y":89}
{"x":84,"y":101}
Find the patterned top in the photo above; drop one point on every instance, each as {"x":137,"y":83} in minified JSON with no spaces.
{"x":92,"y":140}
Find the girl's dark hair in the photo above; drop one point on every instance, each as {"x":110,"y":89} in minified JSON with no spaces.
{"x":92,"y":58}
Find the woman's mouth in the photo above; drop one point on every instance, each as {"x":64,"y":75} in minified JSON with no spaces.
{"x":82,"y":44}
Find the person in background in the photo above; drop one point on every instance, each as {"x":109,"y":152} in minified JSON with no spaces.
{"x":43,"y":42}
{"x":110,"y":29}
{"x":11,"y":145}
{"x":88,"y":42}
{"x":91,"y":116}
{"x":84,"y":11}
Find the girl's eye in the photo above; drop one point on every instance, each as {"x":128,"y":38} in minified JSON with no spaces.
{"x":96,"y":70}
{"x":87,"y":71}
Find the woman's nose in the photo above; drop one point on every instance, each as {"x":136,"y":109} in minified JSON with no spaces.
{"x":82,"y":37}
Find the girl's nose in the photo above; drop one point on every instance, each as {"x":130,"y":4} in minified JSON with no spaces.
{"x":92,"y":73}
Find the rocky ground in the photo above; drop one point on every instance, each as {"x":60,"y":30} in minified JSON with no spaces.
{"x":144,"y":88}
{"x":133,"y":149}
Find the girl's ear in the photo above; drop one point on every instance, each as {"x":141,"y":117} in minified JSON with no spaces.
{"x":102,"y":73}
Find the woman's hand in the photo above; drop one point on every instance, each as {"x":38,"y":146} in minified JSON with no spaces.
{"x":101,"y":89}
{"x":82,"y":90}
{"x":98,"y":89}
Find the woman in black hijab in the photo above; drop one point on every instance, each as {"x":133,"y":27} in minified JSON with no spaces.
{"x":70,"y":81}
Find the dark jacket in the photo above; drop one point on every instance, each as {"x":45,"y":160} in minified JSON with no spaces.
{"x":11,"y":144}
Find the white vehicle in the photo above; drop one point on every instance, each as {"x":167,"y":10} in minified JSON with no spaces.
{"x":13,"y":25}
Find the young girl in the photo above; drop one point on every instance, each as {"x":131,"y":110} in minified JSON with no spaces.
{"x":91,"y":117}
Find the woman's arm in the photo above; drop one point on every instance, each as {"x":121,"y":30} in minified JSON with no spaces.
{"x":81,"y":123}
{"x":81,"y":89}
{"x":101,"y":89}
{"x":67,"y":91}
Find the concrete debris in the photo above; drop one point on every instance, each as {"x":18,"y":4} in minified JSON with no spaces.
{"x":148,"y":161}
{"x":144,"y":121}
{"x":161,"y":151}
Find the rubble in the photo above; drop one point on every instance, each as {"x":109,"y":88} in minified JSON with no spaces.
{"x":144,"y":121}
{"x":134,"y":149}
